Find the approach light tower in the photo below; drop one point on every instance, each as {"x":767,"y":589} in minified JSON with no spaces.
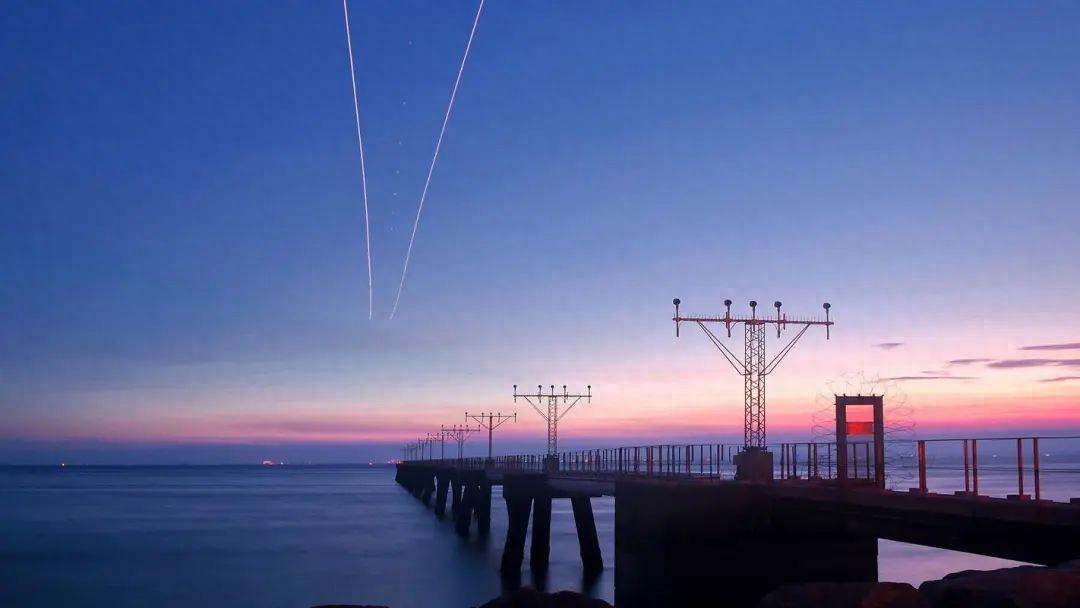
{"x":490,"y":421}
{"x":552,"y":414}
{"x":753,"y":369}
{"x":441,"y":438}
{"x":459,"y":433}
{"x":427,"y":443}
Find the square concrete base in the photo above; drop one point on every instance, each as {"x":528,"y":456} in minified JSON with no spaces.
{"x":754,"y":464}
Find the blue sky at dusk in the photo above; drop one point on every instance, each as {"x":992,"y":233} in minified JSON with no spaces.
{"x":182,"y":245}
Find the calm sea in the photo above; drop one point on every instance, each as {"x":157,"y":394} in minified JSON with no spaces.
{"x":289,"y":536}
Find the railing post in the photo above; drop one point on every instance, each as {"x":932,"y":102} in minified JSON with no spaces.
{"x":975,"y":466}
{"x":967,"y":482}
{"x":866,"y":453}
{"x":828,"y":459}
{"x":785,"y":457}
{"x":1035,"y":465}
{"x":1020,"y":467}
{"x":855,"y":458}
{"x":922,"y":466}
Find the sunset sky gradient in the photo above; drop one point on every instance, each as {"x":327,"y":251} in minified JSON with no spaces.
{"x":182,"y":232}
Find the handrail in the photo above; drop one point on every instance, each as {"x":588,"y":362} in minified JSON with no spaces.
{"x":798,"y":461}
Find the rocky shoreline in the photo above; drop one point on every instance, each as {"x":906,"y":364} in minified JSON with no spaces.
{"x":1019,"y":587}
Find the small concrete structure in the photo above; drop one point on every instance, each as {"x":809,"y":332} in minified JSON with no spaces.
{"x":676,"y":543}
{"x":844,"y":430}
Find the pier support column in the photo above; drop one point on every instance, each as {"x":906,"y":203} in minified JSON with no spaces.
{"x":463,"y":519}
{"x":427,"y":487}
{"x":416,"y":483}
{"x":676,"y":543}
{"x":541,"y":533}
{"x":591,"y":559}
{"x":517,"y":511}
{"x":455,"y":495}
{"x":483,"y":509}
{"x":440,"y":494}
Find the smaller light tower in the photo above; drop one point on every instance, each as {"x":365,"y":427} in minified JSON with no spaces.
{"x":441,"y":438}
{"x":490,"y":421}
{"x":552,"y":414}
{"x":424,"y":443}
{"x":459,"y":433}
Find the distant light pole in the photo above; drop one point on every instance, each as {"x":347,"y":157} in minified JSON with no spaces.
{"x":490,"y":421}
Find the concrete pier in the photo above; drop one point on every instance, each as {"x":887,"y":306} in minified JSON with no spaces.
{"x":455,"y":495}
{"x":427,"y":487}
{"x":463,"y":518}
{"x":518,"y":504}
{"x":442,"y":487}
{"x":678,"y":543}
{"x":482,"y":508}
{"x":681,"y":539}
{"x":541,"y":533}
{"x":588,"y":541}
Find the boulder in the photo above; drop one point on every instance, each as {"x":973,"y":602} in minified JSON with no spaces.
{"x":1020,"y":587}
{"x":844,"y":595}
{"x":527,"y":597}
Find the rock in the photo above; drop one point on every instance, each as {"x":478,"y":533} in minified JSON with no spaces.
{"x":1020,"y":587}
{"x":845,"y":595}
{"x":527,"y":597}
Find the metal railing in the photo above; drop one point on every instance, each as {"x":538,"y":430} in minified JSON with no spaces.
{"x":925,"y":465}
{"x":1007,"y":460}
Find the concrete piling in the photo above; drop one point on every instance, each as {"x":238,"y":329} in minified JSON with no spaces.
{"x":463,"y":518}
{"x":442,"y":486}
{"x":428,"y":487}
{"x":591,"y":559}
{"x":482,"y":508}
{"x":541,"y":533}
{"x":517,"y":509}
{"x":455,"y":495}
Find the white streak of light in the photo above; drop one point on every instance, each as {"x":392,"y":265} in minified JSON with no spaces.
{"x":363,"y":172}
{"x":435,"y":157}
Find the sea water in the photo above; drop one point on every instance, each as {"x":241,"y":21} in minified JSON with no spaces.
{"x":288,"y":536}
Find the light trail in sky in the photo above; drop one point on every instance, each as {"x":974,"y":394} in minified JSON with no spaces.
{"x":363,"y":172}
{"x":434,"y":158}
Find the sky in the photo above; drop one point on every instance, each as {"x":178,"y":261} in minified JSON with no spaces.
{"x":182,"y":242}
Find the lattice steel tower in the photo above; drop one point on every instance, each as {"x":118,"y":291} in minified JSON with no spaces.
{"x":552,"y":414}
{"x":753,"y":367}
